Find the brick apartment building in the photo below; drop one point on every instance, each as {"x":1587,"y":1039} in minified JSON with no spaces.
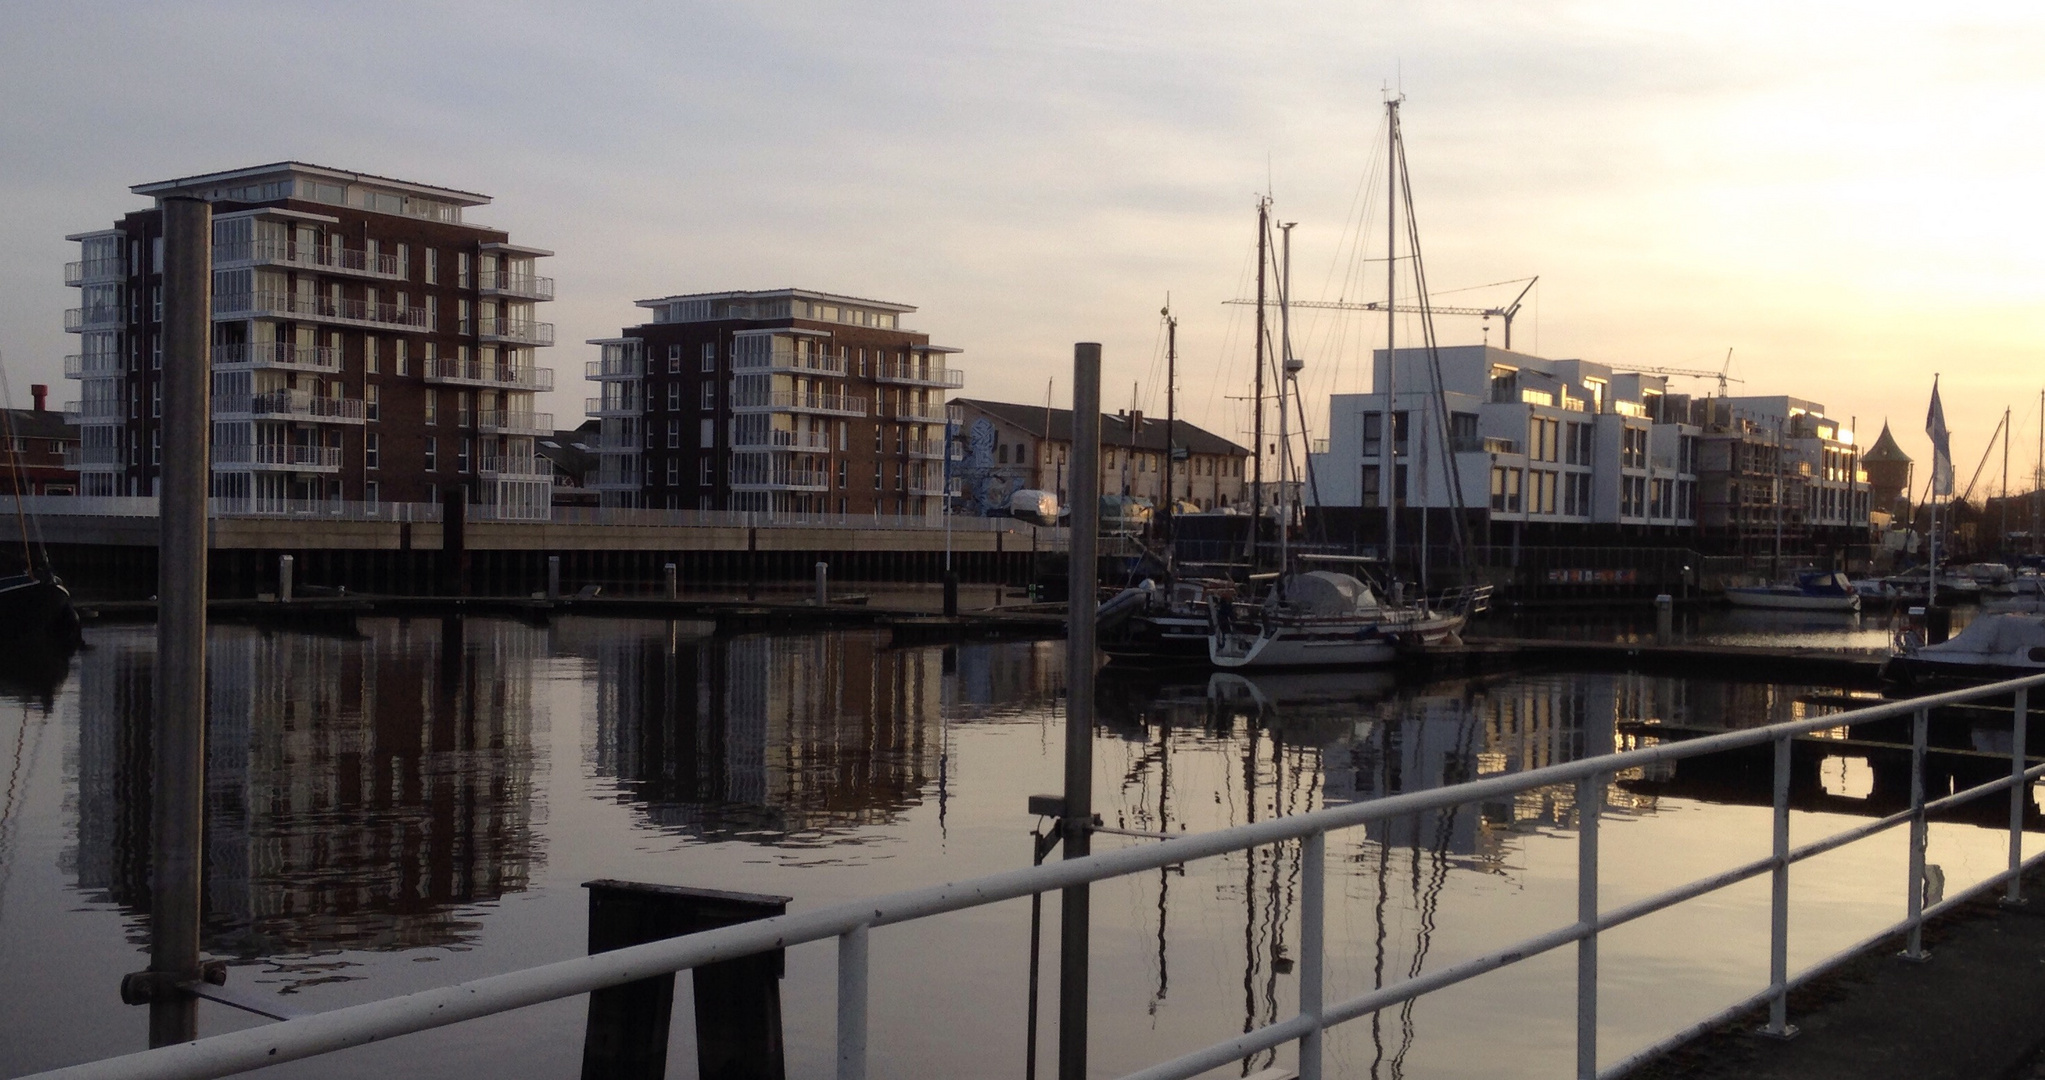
{"x":783,"y":401}
{"x":42,"y":448}
{"x":368,"y":344}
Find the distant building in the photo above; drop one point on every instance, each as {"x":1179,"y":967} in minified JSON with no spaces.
{"x":367,"y":344}
{"x":784,"y":401}
{"x":571,"y":455}
{"x":44,"y":447}
{"x":1778,"y":466}
{"x":1006,"y":447}
{"x":1888,"y":476}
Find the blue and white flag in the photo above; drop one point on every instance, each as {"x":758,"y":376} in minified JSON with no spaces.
{"x":1941,"y":445}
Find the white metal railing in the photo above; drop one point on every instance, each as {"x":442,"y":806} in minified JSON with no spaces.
{"x":818,"y":363}
{"x":505,"y":283}
{"x":477,"y":373}
{"x":323,"y":308}
{"x":94,"y":271}
{"x":799,"y":401}
{"x":514,"y":422}
{"x":278,"y":455}
{"x":908,"y":410}
{"x":105,"y":316}
{"x":323,"y":509}
{"x":87,"y":366}
{"x":627,"y":405}
{"x":309,"y":257}
{"x":849,"y":924}
{"x":517,"y":331}
{"x":278,"y":354}
{"x":513,"y":466}
{"x":92,"y":457}
{"x":627,"y":368}
{"x":895,"y":371}
{"x":78,"y":411}
{"x":295,"y":404}
{"x":782,"y":440}
{"x":930,"y":449}
{"x":778,"y":476}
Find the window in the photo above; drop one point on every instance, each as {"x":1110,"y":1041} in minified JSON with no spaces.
{"x":674,"y":472}
{"x":461,"y":461}
{"x":372,"y":402}
{"x":674,"y":434}
{"x":372,"y":446}
{"x":706,"y":472}
{"x":156,"y":447}
{"x":709,"y":356}
{"x":1001,"y":454}
{"x":432,"y":453}
{"x":433,"y":313}
{"x":674,"y":396}
{"x":155,"y":400}
{"x":706,"y":434}
{"x":1505,"y":490}
{"x":369,"y":355}
{"x":371,"y":493}
{"x":841,"y":476}
{"x":709,"y":395}
{"x":401,"y":363}
{"x":432,"y":406}
{"x":674,"y":359}
{"x":862,"y":363}
{"x":461,"y":269}
{"x":462,"y":402}
{"x":156,"y":353}
{"x":432,"y":269}
{"x":876,"y":475}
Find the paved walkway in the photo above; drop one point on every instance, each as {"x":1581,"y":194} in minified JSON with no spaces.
{"x":1976,"y":1010}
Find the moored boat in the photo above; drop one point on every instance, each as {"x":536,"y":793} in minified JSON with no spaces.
{"x":1322,"y":619}
{"x":1812,"y":591}
{"x":1991,"y":648}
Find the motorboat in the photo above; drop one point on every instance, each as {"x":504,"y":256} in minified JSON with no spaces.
{"x":1874,"y":592}
{"x":1991,"y":648}
{"x":1324,"y":618}
{"x":1160,"y":623}
{"x":1994,"y":579}
{"x":1812,"y":591}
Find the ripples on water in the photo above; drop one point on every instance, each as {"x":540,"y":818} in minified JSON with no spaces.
{"x":418,"y":804}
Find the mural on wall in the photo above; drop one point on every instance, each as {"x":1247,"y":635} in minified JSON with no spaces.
{"x":979,"y":487}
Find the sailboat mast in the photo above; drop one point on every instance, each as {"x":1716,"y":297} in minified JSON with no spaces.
{"x":1171,"y":410}
{"x":1257,"y":425}
{"x":2004,"y":538}
{"x":1775,"y":559}
{"x":1388,"y":473}
{"x":2038,"y":475}
{"x":1284,"y":376}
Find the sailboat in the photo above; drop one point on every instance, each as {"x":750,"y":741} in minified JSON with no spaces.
{"x":35,"y":608}
{"x":1326,"y":617}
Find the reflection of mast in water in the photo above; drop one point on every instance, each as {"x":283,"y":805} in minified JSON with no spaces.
{"x":1428,"y":901}
{"x":17,"y":793}
{"x":1164,"y":873}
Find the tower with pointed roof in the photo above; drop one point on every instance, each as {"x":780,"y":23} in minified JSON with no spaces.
{"x":1888,"y":475}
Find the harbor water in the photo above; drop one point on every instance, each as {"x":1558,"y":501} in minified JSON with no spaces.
{"x":412,"y":803}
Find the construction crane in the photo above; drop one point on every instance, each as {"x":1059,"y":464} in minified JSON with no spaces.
{"x":1692,"y":373}
{"x":1506,"y":312}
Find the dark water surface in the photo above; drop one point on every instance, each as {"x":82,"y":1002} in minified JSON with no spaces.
{"x":420,"y":804}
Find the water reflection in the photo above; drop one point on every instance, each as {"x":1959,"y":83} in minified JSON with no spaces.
{"x":362,"y":792}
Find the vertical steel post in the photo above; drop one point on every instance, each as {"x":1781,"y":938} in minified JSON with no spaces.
{"x":1312,"y":959}
{"x":1590,"y":798}
{"x":1082,"y":570}
{"x":285,"y":565}
{"x":179,"y":804}
{"x":1919,"y":721}
{"x":2013,"y":893}
{"x":852,"y":1004}
{"x":553,"y":577}
{"x":1778,"y":923}
{"x":823,"y":584}
{"x":669,"y":571}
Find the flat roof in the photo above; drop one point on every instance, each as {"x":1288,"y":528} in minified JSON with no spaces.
{"x":791,"y":293}
{"x":444,"y":194}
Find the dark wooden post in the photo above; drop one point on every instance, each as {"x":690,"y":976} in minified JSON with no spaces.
{"x":454,"y":547}
{"x":738,"y":1002}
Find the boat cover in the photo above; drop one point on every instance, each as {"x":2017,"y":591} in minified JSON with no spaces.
{"x":1325,"y":592}
{"x":1993,"y":638}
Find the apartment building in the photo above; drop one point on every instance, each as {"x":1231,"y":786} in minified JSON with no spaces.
{"x":41,"y":449}
{"x":368,"y":344}
{"x":1778,"y":467}
{"x":782,"y":401}
{"x":1534,"y":448}
{"x":1007,"y":447}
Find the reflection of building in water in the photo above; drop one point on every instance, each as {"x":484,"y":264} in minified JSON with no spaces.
{"x":758,"y":737}
{"x":359,"y":791}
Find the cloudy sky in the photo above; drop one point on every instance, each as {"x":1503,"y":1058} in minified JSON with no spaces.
{"x":1845,"y":195}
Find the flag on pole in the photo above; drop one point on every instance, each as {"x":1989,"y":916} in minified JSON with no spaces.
{"x":1941,"y":445}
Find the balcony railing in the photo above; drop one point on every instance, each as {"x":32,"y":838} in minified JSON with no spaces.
{"x":86,"y":411}
{"x":784,"y":440}
{"x":896,"y":371}
{"x":93,"y":458}
{"x":807,"y":402}
{"x":95,"y":271}
{"x":477,"y":373}
{"x":101,"y":317}
{"x":931,"y":449}
{"x":779,"y":476}
{"x":513,"y":467}
{"x":515,"y":331}
{"x":814,"y":364}
{"x":630,"y":368}
{"x":514,"y":422}
{"x":908,"y":410}
{"x":317,"y":308}
{"x":524,"y":286}
{"x":291,"y":404}
{"x":272,"y":456}
{"x":309,"y":257}
{"x":278,"y":354}
{"x":93,"y":367}
{"x":625,"y":476}
{"x":598,"y":407}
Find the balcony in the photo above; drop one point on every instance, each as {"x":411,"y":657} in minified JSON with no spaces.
{"x":289,"y":405}
{"x":895,"y":371}
{"x":93,"y":458}
{"x":95,"y":271}
{"x":598,"y":407}
{"x":312,"y":307}
{"x":279,"y":356}
{"x":814,"y":364}
{"x":784,"y":440}
{"x":927,"y":487}
{"x":614,"y":444}
{"x":93,"y":367}
{"x":513,"y":467}
{"x":102,"y":317}
{"x":513,"y":422}
{"x":520,"y":286}
{"x":514,"y":331}
{"x":623,"y":476}
{"x":626,"y":368}
{"x":94,"y":412}
{"x":496,"y":376}
{"x":779,"y":476}
{"x":273,"y":457}
{"x":909,"y":410}
{"x":795,"y":402}
{"x":927,"y":449}
{"x":316,"y":257}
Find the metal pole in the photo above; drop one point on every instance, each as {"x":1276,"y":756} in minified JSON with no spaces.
{"x":1171,"y":420}
{"x":179,"y":805}
{"x":1081,"y":572}
{"x":1778,"y":924}
{"x":554,"y":578}
{"x":2018,"y":792}
{"x":1388,"y":472}
{"x":1312,"y":961}
{"x":668,"y":570}
{"x":1257,"y":424}
{"x":1590,"y":797}
{"x":285,"y":565}
{"x":1915,"y":949}
{"x":1284,"y":374}
{"x":852,"y":1004}
{"x":824,"y":582}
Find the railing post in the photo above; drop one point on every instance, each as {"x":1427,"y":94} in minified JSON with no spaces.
{"x":1778,"y":925}
{"x":1919,"y":721}
{"x":852,"y":1004}
{"x":1313,"y":875}
{"x":1590,"y":798}
{"x":2013,"y":893}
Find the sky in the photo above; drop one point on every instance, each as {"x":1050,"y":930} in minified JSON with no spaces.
{"x":1843,"y":195}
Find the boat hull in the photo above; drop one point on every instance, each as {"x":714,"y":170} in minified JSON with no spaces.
{"x":1791,"y":601}
{"x":34,"y":611}
{"x":1291,"y":646}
